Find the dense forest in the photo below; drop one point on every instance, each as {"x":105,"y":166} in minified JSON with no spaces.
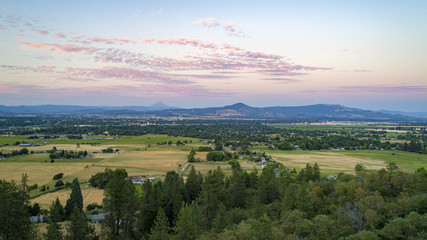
{"x":273,"y":204}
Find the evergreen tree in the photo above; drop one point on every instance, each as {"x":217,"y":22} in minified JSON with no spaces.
{"x":174,"y":193}
{"x":308,"y":172}
{"x":213,"y":193}
{"x":268,"y":185}
{"x":14,"y":214}
{"x":120,"y":205}
{"x":188,"y":223}
{"x":193,"y":184}
{"x":54,"y":230}
{"x":222,"y":219}
{"x":316,"y":172}
{"x":237,"y":188}
{"x":79,"y":228}
{"x":76,"y":198}
{"x":161,"y":229}
{"x":148,"y":208}
{"x":57,"y":211}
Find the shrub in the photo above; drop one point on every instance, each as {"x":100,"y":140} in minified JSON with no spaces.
{"x":58,"y":176}
{"x":59,"y":183}
{"x":92,"y":206}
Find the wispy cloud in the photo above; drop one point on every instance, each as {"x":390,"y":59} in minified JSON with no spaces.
{"x":41,"y":32}
{"x":279,"y":79}
{"x":54,"y":47}
{"x":59,"y":35}
{"x":207,"y":22}
{"x":385,"y":89}
{"x":230,"y":28}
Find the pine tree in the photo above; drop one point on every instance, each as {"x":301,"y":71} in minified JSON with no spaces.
{"x":316,"y":172}
{"x":57,"y":211}
{"x":79,"y":228}
{"x":193,"y":184}
{"x":76,"y":198}
{"x":14,"y":215}
{"x":213,"y":193}
{"x":148,"y":207}
{"x":268,"y":186}
{"x":222,"y":219}
{"x":237,"y":188}
{"x":174,"y":193}
{"x":53,"y":231}
{"x":161,"y":229}
{"x":53,"y":228}
{"x":120,"y":204}
{"x":188,"y":223}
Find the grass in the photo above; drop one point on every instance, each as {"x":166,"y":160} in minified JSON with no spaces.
{"x":332,"y":162}
{"x":405,"y":161}
{"x":143,"y":140}
{"x":90,"y":195}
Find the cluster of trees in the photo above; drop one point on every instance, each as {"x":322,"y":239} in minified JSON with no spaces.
{"x":15,"y":213}
{"x":218,"y":156}
{"x":22,"y":151}
{"x":54,"y":153}
{"x":178,"y":143}
{"x":109,"y":150}
{"x":43,"y":137}
{"x":191,"y":157}
{"x":101,"y":179}
{"x":412,"y":146}
{"x":204,"y":149}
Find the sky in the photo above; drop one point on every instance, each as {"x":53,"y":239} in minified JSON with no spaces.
{"x":364,"y":54}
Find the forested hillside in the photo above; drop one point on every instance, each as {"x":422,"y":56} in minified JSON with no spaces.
{"x":272,"y":204}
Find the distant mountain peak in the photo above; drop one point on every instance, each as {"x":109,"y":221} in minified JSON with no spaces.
{"x":237,"y":105}
{"x":159,"y":105}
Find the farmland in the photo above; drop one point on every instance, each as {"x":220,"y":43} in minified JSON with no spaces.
{"x":167,"y":146}
{"x":142,"y":156}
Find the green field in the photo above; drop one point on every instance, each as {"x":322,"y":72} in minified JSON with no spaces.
{"x":144,"y":139}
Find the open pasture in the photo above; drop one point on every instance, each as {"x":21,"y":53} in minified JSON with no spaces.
{"x":142,"y":140}
{"x":332,"y":162}
{"x":90,"y":195}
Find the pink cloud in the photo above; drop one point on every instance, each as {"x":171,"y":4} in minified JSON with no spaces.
{"x":65,"y":48}
{"x":125,"y":73}
{"x":59,"y":35}
{"x":19,"y":35}
{"x":207,"y":22}
{"x":46,"y":68}
{"x":385,"y":89}
{"x":229,"y":28}
{"x":5,"y":88}
{"x":41,"y":32}
{"x":151,"y":40}
{"x":232,"y":30}
{"x":138,"y":90}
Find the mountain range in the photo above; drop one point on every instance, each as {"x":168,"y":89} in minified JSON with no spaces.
{"x":235,"y":111}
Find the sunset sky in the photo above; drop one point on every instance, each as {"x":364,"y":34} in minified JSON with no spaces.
{"x":364,"y":54}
